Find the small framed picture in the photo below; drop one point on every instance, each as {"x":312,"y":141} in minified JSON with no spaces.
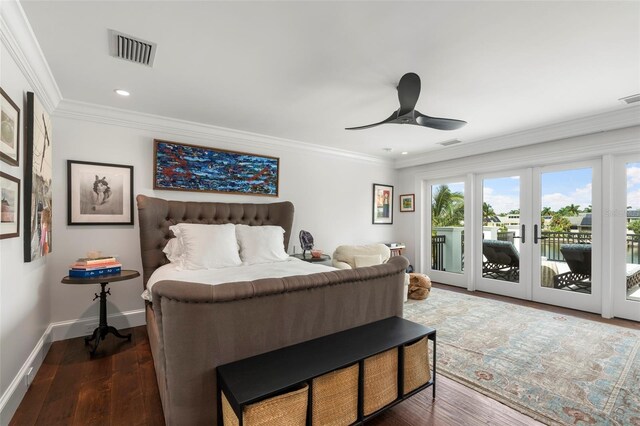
{"x":99,"y":193}
{"x":382,"y":204}
{"x":10,"y":216}
{"x":408,"y":203}
{"x":10,"y":130}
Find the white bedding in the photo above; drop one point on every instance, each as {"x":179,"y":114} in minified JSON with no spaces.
{"x":287,"y":268}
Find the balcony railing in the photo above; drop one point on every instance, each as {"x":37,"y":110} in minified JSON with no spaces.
{"x":437,"y":252}
{"x":551,"y":242}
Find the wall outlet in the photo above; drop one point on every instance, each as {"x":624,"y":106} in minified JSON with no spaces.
{"x":28,"y":377}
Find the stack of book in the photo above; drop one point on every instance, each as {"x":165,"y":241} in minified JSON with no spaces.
{"x":94,"y":267}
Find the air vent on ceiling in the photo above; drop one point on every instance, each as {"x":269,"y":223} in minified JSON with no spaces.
{"x":450,"y":142}
{"x":630,"y":99}
{"x":132,"y":49}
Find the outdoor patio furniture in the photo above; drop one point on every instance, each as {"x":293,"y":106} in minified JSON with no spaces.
{"x":633,"y":275}
{"x":578,"y":258}
{"x":503,"y":260}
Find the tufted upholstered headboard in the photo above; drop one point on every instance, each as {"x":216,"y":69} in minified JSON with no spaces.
{"x":157,"y":215}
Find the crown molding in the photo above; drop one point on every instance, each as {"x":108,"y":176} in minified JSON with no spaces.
{"x":18,"y":37}
{"x":577,"y":148}
{"x":84,"y":111}
{"x":612,"y":120}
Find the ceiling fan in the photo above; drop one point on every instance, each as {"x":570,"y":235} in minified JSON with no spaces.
{"x":408,"y":93}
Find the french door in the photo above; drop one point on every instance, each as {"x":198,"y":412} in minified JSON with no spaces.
{"x":445,"y":258}
{"x":538,"y":234}
{"x":503,"y":246}
{"x":625,"y":230}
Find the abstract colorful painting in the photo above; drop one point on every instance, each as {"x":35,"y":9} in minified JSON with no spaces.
{"x":184,"y":167}
{"x":37,"y":181}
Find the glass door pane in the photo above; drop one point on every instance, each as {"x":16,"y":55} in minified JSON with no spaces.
{"x":447,"y":227}
{"x":632,"y":272}
{"x":501,"y":228}
{"x":565,"y":238}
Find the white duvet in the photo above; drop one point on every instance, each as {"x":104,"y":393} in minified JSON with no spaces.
{"x":287,"y":268}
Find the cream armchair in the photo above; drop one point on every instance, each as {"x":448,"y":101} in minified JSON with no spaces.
{"x":350,"y":257}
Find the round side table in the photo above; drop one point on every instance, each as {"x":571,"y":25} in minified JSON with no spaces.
{"x":103,"y":328}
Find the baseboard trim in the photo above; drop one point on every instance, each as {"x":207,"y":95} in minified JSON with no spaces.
{"x":12,"y":397}
{"x":61,"y":330}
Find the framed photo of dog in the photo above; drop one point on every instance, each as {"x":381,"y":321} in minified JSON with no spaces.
{"x":99,"y":193}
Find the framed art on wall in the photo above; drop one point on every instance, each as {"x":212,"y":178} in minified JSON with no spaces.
{"x":10,"y":215}
{"x":407,"y":203}
{"x":37,"y":181}
{"x":9,"y":130}
{"x":99,"y":193}
{"x":382,"y":204}
{"x":183,"y":167}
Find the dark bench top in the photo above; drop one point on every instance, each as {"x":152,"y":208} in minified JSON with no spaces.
{"x":254,"y":378}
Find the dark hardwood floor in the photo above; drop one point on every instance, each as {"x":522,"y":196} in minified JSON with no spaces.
{"x":118,"y":387}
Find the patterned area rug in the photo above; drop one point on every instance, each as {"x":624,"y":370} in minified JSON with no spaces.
{"x":557,"y":369}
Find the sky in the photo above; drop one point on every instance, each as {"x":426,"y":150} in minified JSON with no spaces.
{"x":559,"y":189}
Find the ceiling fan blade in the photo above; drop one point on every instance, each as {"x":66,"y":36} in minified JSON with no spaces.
{"x":438,"y":123}
{"x":408,"y":92}
{"x":388,"y":120}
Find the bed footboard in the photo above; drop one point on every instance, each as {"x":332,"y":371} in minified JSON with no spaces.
{"x":200,"y":327}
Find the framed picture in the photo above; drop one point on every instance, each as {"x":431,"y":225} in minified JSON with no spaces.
{"x":37,"y":181}
{"x":382,"y":204}
{"x":182,"y":167}
{"x":10,"y":215}
{"x":99,"y":193}
{"x":9,"y":130}
{"x":407,"y":203}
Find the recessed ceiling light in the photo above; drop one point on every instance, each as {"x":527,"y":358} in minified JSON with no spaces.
{"x":122,"y":92}
{"x":404,"y":152}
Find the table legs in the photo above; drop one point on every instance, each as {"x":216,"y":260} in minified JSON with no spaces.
{"x":103,"y":328}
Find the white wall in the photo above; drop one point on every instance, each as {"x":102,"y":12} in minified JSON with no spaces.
{"x":24,"y":287}
{"x":331,"y":194}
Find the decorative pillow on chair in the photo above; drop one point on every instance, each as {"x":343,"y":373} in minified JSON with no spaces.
{"x":362,"y":260}
{"x":261,"y":244}
{"x":207,"y":246}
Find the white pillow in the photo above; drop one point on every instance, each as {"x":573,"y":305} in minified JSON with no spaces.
{"x":174,"y":251}
{"x":261,"y":244}
{"x":362,"y":260}
{"x":207,"y":246}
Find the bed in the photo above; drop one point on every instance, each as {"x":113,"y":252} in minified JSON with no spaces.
{"x":195,"y":327}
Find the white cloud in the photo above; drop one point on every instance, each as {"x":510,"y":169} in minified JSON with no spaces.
{"x":500,"y":203}
{"x":633,"y":199}
{"x":633,"y":176}
{"x":581,"y":197}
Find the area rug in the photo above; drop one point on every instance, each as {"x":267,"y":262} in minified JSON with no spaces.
{"x":555,"y":368}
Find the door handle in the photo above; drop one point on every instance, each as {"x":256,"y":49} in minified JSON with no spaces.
{"x":522,"y":235}
{"x":535,"y":235}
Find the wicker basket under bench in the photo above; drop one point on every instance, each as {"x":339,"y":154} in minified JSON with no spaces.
{"x":340,"y":379}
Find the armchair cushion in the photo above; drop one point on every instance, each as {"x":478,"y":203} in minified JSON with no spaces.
{"x":346,"y":254}
{"x":362,"y":260}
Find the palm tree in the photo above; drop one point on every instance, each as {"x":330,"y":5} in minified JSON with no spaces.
{"x":546,"y":211}
{"x":587,"y":209}
{"x":572,"y":210}
{"x":487,"y":212}
{"x":447,"y":207}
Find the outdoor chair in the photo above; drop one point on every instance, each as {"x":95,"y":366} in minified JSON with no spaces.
{"x":502,"y":260}
{"x":578,"y":258}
